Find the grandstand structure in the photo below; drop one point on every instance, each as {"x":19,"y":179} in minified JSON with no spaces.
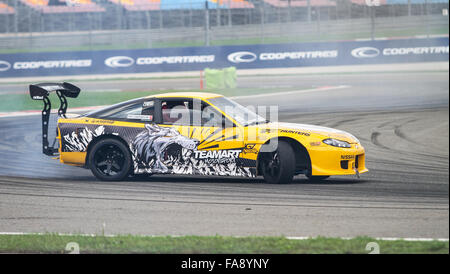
{"x":6,"y":9}
{"x":313,"y":3}
{"x":157,"y":23}
{"x":69,"y":6}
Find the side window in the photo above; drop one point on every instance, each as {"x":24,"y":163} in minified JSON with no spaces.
{"x":188,"y":112}
{"x":211,"y":117}
{"x":137,"y":112}
{"x":176,"y":111}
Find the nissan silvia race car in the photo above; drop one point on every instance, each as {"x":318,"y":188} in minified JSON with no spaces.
{"x":193,"y":133}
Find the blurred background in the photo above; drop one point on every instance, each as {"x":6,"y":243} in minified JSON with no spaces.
{"x":61,"y":25}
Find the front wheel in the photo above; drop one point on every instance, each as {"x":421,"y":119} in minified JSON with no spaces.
{"x":278,"y":167}
{"x":110,"y":160}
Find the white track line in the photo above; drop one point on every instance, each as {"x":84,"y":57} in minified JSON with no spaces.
{"x":326,"y":88}
{"x":38,"y":112}
{"x":382,"y":239}
{"x":290,"y":238}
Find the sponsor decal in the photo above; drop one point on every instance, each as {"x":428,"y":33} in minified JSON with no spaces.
{"x":38,"y":97}
{"x":217,"y":157}
{"x":315,"y":144}
{"x":147,"y":104}
{"x":266,"y":56}
{"x":416,"y":50}
{"x":365,"y":52}
{"x":242,"y":57}
{"x":247,"y":57}
{"x":347,"y":157}
{"x":175,"y":60}
{"x":119,"y":62}
{"x":140,"y":117}
{"x":250,"y":148}
{"x":97,"y":121}
{"x":295,"y":132}
{"x":4,"y":66}
{"x":53,"y":64}
{"x":217,"y":154}
{"x":125,"y":61}
{"x":371,"y":52}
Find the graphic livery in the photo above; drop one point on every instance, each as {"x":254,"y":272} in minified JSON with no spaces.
{"x":139,"y":137}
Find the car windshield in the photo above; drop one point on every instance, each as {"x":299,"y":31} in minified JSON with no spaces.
{"x":239,"y":113}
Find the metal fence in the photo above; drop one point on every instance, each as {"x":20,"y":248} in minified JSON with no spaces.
{"x":116,"y":27}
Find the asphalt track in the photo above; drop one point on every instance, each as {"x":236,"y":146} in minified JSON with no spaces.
{"x":401,"y":119}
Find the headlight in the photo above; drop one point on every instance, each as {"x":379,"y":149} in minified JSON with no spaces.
{"x":336,"y":143}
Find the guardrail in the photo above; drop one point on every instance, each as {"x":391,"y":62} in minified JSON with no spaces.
{"x":241,"y":57}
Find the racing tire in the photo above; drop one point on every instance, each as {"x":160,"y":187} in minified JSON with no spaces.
{"x":278,"y":167}
{"x":110,"y":160}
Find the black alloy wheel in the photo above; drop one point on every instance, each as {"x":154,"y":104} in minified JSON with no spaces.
{"x":110,"y":160}
{"x":278,"y":167}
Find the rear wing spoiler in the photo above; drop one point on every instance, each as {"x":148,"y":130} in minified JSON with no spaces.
{"x":41,"y":92}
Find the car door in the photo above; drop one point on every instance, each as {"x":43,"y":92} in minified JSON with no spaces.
{"x":208,"y":143}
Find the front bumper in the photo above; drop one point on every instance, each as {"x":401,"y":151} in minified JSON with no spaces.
{"x":327,"y":160}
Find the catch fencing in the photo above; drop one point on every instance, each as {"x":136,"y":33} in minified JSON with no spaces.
{"x":28,"y":29}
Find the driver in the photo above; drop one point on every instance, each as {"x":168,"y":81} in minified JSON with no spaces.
{"x":167,"y":108}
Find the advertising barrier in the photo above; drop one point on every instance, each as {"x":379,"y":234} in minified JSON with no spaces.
{"x":218,"y":57}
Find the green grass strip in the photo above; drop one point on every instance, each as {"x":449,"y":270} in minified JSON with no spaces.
{"x":54,"y":243}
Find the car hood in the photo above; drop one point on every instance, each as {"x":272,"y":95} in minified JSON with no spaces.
{"x":312,"y":129}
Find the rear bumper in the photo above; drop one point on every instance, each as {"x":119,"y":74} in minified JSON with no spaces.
{"x":328,"y":160}
{"x":73,"y":158}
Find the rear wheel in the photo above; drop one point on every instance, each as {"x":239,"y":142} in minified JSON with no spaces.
{"x":278,"y":167}
{"x":110,"y":160}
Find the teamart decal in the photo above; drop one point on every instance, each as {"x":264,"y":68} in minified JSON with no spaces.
{"x":78,"y":140}
{"x":218,"y":156}
{"x":164,"y":150}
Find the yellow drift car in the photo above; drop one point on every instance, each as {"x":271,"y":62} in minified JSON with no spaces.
{"x":193,"y":133}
